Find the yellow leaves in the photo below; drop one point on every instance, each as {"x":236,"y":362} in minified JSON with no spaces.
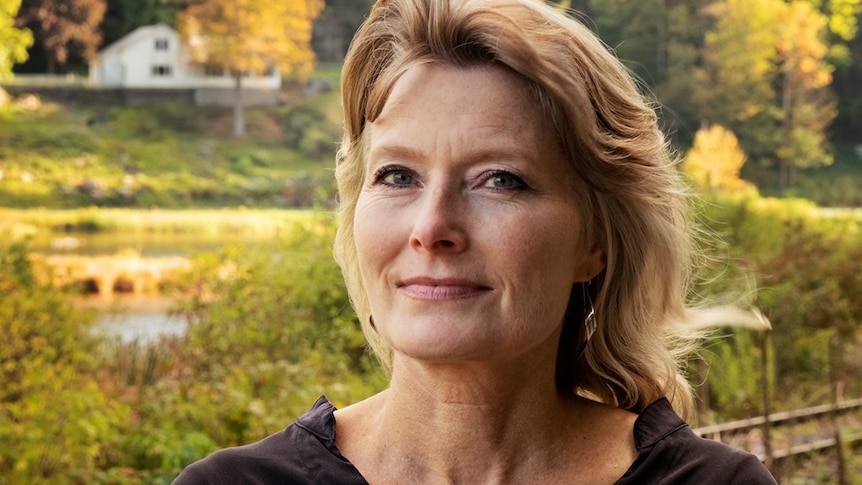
{"x":252,"y":35}
{"x":715,"y":160}
{"x":842,"y":21}
{"x":735,"y":83}
{"x":801,"y":49}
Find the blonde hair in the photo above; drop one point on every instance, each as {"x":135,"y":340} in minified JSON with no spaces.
{"x":633,"y":199}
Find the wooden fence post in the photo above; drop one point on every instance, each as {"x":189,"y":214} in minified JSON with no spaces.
{"x":767,"y":404}
{"x":833,"y":349}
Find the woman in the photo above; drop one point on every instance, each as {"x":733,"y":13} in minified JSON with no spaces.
{"x":513,"y":233}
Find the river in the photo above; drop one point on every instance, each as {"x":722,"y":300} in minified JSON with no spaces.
{"x":137,"y":317}
{"x":134,"y":318}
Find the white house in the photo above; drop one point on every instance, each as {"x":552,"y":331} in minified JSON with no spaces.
{"x":153,"y":57}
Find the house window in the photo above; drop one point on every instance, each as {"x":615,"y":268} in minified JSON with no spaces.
{"x":161,"y":70}
{"x":161,"y":44}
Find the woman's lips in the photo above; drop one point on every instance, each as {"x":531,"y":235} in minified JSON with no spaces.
{"x":440,"y":289}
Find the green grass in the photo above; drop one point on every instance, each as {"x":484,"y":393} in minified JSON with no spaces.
{"x":176,"y":155}
{"x":169,"y":155}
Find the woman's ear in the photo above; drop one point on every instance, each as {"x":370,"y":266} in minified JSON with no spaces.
{"x":592,"y":264}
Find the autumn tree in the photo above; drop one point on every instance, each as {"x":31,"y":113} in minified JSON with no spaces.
{"x":658,"y":40}
{"x":62,"y":27}
{"x":845,"y":53}
{"x":735,"y":81}
{"x":250,"y":36}
{"x":13,"y":41}
{"x":715,"y":160}
{"x":807,"y":107}
{"x":675,"y":87}
{"x":765,"y":76}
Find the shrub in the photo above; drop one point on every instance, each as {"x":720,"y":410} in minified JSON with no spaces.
{"x":799,"y":257}
{"x":268,"y":333}
{"x":55,"y":423}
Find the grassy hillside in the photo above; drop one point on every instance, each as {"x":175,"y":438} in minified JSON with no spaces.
{"x":176,"y":155}
{"x":170,"y":155}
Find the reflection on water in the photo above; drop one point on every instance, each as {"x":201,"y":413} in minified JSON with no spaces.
{"x":130,"y":318}
{"x":142,"y":317}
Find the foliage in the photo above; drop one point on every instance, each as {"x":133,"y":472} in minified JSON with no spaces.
{"x":215,"y":224}
{"x":761,"y":68}
{"x":733,"y":377}
{"x":736,"y":79}
{"x":805,"y":287}
{"x":766,"y":77}
{"x":250,"y":36}
{"x":335,"y":27}
{"x":676,"y":89}
{"x":638,"y":32}
{"x":271,"y":330}
{"x":238,"y":303}
{"x":61,"y":26}
{"x":807,"y":107}
{"x":124,"y":16}
{"x":268,"y":333}
{"x":715,"y":160}
{"x":13,"y":41}
{"x":55,"y":422}
{"x":307,"y":129}
{"x":843,"y":25}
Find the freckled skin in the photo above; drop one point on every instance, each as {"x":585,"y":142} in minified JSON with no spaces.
{"x":467,"y":229}
{"x":469,"y":240}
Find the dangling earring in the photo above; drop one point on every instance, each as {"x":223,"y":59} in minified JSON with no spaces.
{"x":589,"y":319}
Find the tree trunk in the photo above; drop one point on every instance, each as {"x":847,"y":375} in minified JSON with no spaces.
{"x":50,"y":62}
{"x":238,"y":111}
{"x":785,"y":166}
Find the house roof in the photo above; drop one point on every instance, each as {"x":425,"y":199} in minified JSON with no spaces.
{"x":133,"y":37}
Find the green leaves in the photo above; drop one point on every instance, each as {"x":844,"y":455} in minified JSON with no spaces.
{"x":54,"y":420}
{"x":806,"y":284}
{"x":13,"y":41}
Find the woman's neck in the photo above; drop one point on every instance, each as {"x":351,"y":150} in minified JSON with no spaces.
{"x":468,"y":423}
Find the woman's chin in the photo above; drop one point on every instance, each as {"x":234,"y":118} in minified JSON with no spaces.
{"x":438,"y":346}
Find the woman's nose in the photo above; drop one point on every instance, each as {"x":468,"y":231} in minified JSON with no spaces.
{"x":438,"y":222}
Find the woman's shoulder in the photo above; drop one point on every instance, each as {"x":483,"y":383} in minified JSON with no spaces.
{"x":670,"y":452}
{"x":304,"y":452}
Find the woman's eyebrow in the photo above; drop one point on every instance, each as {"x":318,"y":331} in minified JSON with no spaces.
{"x":395,"y":152}
{"x":509,"y":152}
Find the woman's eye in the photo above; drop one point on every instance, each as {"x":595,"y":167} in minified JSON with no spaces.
{"x":394,"y":176}
{"x":503,"y":180}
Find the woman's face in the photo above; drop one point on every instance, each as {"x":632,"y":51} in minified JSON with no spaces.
{"x":468,"y":233}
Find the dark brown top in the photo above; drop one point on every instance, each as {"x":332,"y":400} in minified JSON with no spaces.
{"x":305,"y":453}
